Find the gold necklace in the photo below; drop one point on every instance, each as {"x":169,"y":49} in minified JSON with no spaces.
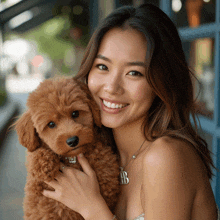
{"x":123,"y":174}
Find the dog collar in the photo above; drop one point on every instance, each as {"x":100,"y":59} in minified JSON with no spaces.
{"x":71,"y":159}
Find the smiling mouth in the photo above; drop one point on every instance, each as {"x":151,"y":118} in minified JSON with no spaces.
{"x":113,"y":105}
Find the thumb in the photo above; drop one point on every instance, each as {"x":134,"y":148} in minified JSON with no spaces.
{"x":85,"y":165}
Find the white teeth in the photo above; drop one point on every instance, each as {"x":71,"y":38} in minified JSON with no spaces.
{"x":113,"y":105}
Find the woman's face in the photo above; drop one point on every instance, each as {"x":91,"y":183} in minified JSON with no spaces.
{"x":117,"y":78}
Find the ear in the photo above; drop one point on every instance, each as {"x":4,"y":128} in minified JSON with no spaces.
{"x":95,"y":112}
{"x":92,"y":104}
{"x":26,"y":132}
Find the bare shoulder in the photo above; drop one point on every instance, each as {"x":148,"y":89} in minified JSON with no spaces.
{"x":170,"y":173}
{"x":170,"y":149}
{"x":173,"y":155}
{"x":166,"y":149}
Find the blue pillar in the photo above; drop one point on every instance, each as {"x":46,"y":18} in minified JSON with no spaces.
{"x":217,"y":69}
{"x":94,"y":14}
{"x":217,"y":179}
{"x":217,"y":106}
{"x":166,"y":5}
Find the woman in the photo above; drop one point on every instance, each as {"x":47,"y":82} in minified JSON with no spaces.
{"x":137,"y":73}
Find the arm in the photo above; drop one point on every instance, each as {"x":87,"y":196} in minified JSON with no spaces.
{"x":168,"y":184}
{"x":80,"y":192}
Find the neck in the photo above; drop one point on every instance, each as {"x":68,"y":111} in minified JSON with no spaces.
{"x":128,"y":140}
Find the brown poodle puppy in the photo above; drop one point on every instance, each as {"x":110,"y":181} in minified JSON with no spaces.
{"x":63,"y":120}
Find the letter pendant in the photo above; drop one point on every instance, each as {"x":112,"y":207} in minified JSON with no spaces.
{"x":124,"y":177}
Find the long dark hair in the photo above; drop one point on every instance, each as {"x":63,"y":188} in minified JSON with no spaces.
{"x":168,"y":74}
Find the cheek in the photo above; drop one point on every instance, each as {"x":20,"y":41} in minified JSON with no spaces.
{"x":139,"y":93}
{"x":142,"y":92}
{"x":46,"y":137}
{"x":144,"y":96}
{"x":91,"y":82}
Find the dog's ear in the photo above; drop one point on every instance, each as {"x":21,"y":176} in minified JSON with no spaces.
{"x":26,"y":132}
{"x":95,"y":112}
{"x":92,"y":104}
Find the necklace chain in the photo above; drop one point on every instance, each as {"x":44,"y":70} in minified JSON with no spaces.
{"x":133,"y":156}
{"x":123,"y":174}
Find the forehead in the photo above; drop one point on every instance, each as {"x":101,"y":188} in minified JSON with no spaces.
{"x":124,"y":43}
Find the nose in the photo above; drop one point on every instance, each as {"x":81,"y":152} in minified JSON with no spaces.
{"x":113,"y":85}
{"x":73,"y":141}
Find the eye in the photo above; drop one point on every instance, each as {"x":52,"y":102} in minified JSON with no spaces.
{"x":51,"y":124}
{"x":135,"y":73}
{"x":75,"y":114}
{"x":102,"y":67}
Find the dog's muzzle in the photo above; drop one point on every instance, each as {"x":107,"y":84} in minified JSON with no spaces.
{"x":73,"y":141}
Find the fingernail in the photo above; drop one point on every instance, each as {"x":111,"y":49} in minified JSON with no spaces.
{"x":80,"y":155}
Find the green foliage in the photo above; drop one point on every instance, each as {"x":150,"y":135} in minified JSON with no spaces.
{"x":3,"y":96}
{"x":53,"y":39}
{"x":66,"y":70}
{"x":45,"y":36}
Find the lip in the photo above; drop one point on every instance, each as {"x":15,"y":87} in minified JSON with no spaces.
{"x":75,"y":148}
{"x":72,"y":152}
{"x":111,"y":110}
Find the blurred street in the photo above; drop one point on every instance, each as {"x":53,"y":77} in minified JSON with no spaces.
{"x":38,"y":40}
{"x":12,"y":170}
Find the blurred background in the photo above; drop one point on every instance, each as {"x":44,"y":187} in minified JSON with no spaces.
{"x":40,"y":39}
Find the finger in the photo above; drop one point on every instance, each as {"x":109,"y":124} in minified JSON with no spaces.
{"x":67,"y":171}
{"x":85,"y":165}
{"x":59,"y":176}
{"x":52,"y":183}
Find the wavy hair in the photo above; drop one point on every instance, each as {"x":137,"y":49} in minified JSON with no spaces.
{"x":168,"y":74}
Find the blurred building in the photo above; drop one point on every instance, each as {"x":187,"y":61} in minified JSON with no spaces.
{"x":57,"y":32}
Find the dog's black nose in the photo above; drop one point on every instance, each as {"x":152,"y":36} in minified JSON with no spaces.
{"x":73,"y":141}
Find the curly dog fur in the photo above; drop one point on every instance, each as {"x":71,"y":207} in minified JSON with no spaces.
{"x":61,"y":121}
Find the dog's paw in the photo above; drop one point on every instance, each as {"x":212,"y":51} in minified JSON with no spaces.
{"x":44,"y":164}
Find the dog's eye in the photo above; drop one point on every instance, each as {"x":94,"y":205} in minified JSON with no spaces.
{"x":51,"y":124}
{"x":75,"y":114}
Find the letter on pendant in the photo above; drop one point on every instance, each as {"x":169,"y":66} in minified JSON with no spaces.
{"x":124,"y":177}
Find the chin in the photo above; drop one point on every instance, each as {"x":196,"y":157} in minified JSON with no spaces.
{"x":112,"y":123}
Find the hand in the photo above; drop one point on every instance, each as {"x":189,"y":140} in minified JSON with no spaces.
{"x":76,"y":189}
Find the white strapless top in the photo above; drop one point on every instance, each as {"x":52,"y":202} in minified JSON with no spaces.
{"x":141,"y":217}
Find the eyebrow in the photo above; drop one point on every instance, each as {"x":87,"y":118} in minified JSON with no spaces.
{"x":134,"y":63}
